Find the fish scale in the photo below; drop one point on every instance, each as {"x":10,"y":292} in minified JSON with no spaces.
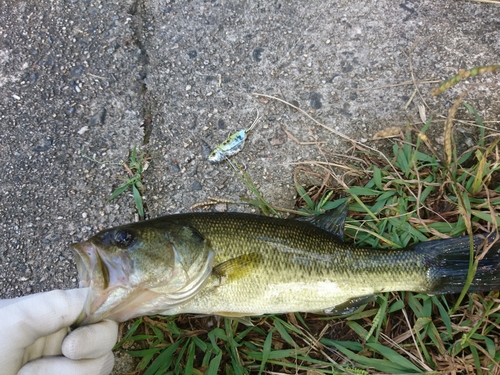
{"x":236,"y":264}
{"x":311,"y":262}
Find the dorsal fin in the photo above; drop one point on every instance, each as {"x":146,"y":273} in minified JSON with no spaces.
{"x":332,"y":221}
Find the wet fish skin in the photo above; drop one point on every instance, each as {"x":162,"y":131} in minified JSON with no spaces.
{"x":129,"y":278}
{"x":260,"y":265}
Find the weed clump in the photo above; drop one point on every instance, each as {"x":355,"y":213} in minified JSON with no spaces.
{"x":413,"y":195}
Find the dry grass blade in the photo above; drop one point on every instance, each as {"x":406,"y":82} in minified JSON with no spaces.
{"x":212,"y":202}
{"x":397,"y":200}
{"x":448,"y":129}
{"x":405,"y":83}
{"x":359,"y":144}
{"x":462,"y":74}
{"x":392,"y":131}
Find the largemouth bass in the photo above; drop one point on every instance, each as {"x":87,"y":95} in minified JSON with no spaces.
{"x":236,"y":265}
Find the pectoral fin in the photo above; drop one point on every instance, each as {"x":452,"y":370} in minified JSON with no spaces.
{"x":237,"y":267}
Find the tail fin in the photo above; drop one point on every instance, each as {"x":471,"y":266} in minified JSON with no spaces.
{"x":448,"y":264}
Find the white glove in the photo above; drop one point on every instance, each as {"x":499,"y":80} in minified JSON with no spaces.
{"x":34,"y":336}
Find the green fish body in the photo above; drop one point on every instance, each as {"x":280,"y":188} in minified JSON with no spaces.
{"x":236,"y":264}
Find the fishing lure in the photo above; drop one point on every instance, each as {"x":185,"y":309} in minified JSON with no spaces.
{"x":232,"y":145}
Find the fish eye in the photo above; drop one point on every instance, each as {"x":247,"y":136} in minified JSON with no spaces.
{"x":123,"y":238}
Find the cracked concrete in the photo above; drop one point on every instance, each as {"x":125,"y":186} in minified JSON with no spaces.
{"x":84,"y":81}
{"x":72,"y":83}
{"x":210,"y":57}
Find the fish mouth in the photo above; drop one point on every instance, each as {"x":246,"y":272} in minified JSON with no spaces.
{"x":101,"y":274}
{"x":82,"y":253}
{"x":119,"y":291}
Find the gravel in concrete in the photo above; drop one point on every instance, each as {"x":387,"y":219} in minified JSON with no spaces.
{"x":84,"y":81}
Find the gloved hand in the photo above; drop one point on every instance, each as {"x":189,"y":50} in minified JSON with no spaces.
{"x":34,"y":339}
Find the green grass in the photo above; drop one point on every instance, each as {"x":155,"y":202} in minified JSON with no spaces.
{"x":135,"y":167}
{"x":409,"y":197}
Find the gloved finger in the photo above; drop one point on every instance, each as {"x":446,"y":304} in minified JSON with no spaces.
{"x":46,"y":345}
{"x":41,"y":314}
{"x":6,"y":302}
{"x":24,"y":320}
{"x":64,"y":366}
{"x":91,"y":341}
